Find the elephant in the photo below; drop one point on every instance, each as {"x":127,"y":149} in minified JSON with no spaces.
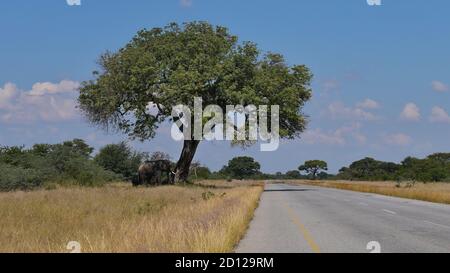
{"x":152,"y":172}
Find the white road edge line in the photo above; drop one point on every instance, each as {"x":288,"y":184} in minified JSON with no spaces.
{"x":390,"y":211}
{"x":436,"y":224}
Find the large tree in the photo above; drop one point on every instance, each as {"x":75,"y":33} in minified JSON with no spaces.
{"x":164,"y":67}
{"x":242,"y":167}
{"x":313,"y":167}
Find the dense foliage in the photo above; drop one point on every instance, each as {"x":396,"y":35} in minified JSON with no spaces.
{"x":44,"y":164}
{"x":241,"y":168}
{"x":120,"y":159}
{"x":434,"y":168}
{"x":313,"y":168}
{"x":138,"y":85}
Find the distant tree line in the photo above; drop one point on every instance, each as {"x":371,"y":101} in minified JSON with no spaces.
{"x":434,"y":168}
{"x":245,"y":167}
{"x":73,"y":163}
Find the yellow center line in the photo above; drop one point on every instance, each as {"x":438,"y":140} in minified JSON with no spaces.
{"x":306,"y":234}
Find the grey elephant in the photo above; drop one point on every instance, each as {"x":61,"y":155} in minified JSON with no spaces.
{"x":156,"y":172}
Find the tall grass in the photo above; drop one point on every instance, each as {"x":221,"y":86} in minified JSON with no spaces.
{"x":119,"y":218}
{"x":431,"y":192}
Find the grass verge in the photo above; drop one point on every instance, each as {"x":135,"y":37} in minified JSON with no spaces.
{"x":431,"y":192}
{"x":119,"y":218}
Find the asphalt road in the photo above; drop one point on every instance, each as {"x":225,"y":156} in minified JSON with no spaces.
{"x":299,"y":219}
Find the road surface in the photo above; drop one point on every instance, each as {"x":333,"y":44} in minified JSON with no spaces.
{"x":305,"y":219}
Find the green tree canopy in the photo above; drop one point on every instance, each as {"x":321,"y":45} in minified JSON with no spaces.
{"x":119,"y":158}
{"x":313,"y":167}
{"x":242,"y":167}
{"x":370,"y":169}
{"x":443,"y":158}
{"x":163,"y":67}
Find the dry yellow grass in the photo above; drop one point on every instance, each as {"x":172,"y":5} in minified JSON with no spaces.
{"x":432,"y":192}
{"x":119,"y":218}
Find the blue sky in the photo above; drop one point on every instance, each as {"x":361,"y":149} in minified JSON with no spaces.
{"x":381,"y":86}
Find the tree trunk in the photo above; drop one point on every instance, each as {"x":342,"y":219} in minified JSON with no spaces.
{"x":184,"y":163}
{"x":315,"y":171}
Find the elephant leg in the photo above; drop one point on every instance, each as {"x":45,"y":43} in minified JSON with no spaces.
{"x":140,"y":181}
{"x":148,"y":179}
{"x":168,"y":177}
{"x":153,"y":180}
{"x":158,"y":177}
{"x":135,"y":180}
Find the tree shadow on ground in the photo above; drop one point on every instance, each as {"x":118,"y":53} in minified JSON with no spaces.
{"x":289,"y":190}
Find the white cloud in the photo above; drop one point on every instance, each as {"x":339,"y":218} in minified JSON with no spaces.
{"x":7,"y":94}
{"x":45,"y":88}
{"x":45,"y":101}
{"x":439,"y":86}
{"x":340,"y":136}
{"x":410,"y":112}
{"x":399,"y":139}
{"x":186,"y":3}
{"x":368,"y":104}
{"x":339,"y":110}
{"x":438,"y":114}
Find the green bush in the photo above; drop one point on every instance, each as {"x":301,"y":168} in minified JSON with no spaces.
{"x":120,"y":159}
{"x":45,"y":164}
{"x":18,"y":178}
{"x":87,"y":173}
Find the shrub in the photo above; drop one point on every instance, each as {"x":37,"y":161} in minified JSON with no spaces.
{"x":18,"y":178}
{"x":87,"y":173}
{"x":47,"y":165}
{"x":120,"y":159}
